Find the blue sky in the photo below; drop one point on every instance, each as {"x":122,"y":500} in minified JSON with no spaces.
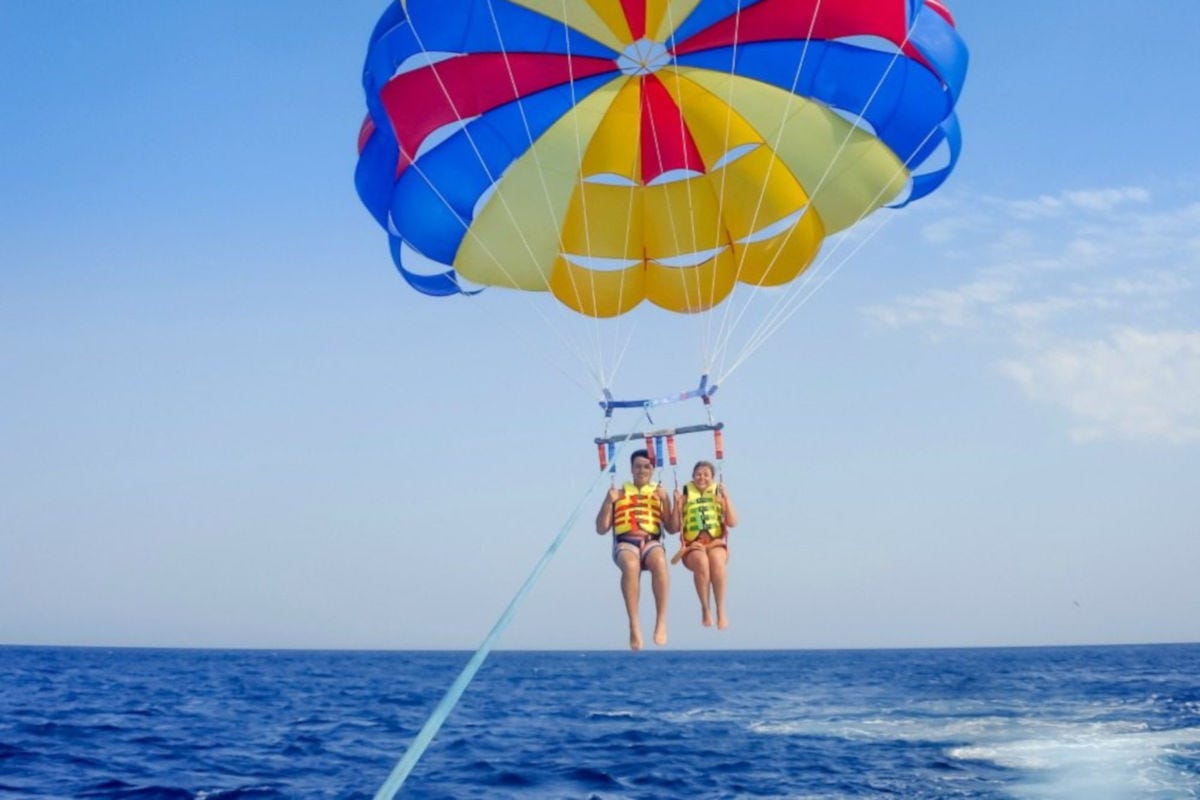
{"x":228,"y":422}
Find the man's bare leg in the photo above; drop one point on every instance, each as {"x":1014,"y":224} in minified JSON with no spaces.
{"x":660,"y":579}
{"x":631,"y":573}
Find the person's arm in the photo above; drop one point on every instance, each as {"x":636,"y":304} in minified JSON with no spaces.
{"x":604,"y":517}
{"x":677,"y":510}
{"x":730,"y":517}
{"x":670,"y":511}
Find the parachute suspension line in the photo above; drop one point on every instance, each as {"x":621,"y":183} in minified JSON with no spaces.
{"x":598,"y":338}
{"x":621,"y":353}
{"x":787,"y":305}
{"x":589,"y":366}
{"x":421,"y":741}
{"x":593,"y":364}
{"x":709,"y":349}
{"x":530,"y":346}
{"x":645,"y":187}
{"x":692,"y":295}
{"x":775,"y":314}
{"x":795,"y":300}
{"x":713,"y":339}
{"x":689,"y":305}
{"x":619,"y":323}
{"x":725,"y":331}
{"x":537,"y":159}
{"x":593,"y":368}
{"x":433,"y":67}
{"x":723,"y":347}
{"x":606,"y":372}
{"x":642,"y":188}
{"x":673,"y":457}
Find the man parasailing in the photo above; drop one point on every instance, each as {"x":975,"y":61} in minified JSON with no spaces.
{"x":637,"y":514}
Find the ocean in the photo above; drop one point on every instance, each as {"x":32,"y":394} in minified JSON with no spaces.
{"x":1046,"y":723}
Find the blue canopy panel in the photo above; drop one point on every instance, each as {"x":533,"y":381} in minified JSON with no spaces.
{"x":433,"y":202}
{"x":901,"y":100}
{"x":375,"y":173}
{"x":442,"y":284}
{"x":924,"y":183}
{"x":454,"y":26}
{"x":938,"y":41}
{"x":467,"y":26}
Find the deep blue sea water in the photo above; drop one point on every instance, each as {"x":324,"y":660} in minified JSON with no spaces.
{"x":1081,"y":722}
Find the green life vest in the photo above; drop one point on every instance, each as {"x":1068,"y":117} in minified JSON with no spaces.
{"x":702,"y":511}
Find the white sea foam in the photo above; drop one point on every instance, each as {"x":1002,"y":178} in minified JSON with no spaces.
{"x":878,"y":728}
{"x":615,"y":714}
{"x":1092,"y":760}
{"x":1084,"y":757}
{"x":705,"y":714}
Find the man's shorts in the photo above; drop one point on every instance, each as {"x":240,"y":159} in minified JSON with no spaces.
{"x":642,"y":545}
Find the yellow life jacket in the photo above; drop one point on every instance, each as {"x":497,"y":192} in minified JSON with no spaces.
{"x":702,"y":511}
{"x":638,"y":510}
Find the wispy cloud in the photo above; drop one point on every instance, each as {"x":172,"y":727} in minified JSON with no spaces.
{"x":1094,"y":295}
{"x":1065,"y":202}
{"x":948,"y":308}
{"x":1133,"y":384}
{"x":1150,"y":291}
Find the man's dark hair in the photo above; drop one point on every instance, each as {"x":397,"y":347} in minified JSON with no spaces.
{"x":643,"y":453}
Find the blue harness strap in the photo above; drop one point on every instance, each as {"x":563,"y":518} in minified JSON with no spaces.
{"x":703,"y":391}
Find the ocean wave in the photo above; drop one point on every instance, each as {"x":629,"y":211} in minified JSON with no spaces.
{"x":969,"y":725}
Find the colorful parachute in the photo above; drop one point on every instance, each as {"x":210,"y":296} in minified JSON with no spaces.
{"x":615,"y":151}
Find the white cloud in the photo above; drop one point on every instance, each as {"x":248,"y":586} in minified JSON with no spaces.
{"x":1037,"y":313}
{"x":1105,"y":199}
{"x":1150,"y":285}
{"x":1051,"y":279}
{"x":1147,"y":292}
{"x":946,"y":229}
{"x":1097,"y":200}
{"x":1043,"y":206}
{"x":1116,"y":260}
{"x":950,"y":308}
{"x":1134,"y":384}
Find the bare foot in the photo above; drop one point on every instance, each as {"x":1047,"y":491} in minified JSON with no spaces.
{"x":722,"y":620}
{"x":705,"y":617}
{"x":635,"y":639}
{"x":660,"y":634}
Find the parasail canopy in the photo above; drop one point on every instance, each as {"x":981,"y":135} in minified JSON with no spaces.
{"x":612,"y":152}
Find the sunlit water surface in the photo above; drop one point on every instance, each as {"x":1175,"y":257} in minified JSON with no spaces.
{"x":1046,"y":723}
